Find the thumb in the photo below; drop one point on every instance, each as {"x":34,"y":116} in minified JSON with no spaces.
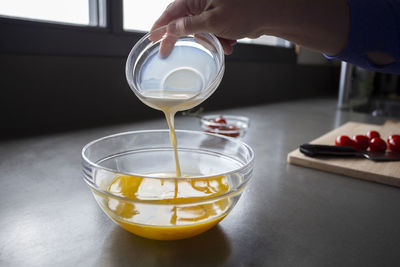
{"x":189,"y":25}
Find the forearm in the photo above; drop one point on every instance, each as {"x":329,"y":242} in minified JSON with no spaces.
{"x":363,"y":32}
{"x":322,"y":25}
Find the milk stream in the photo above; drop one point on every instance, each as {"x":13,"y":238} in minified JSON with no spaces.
{"x":181,"y":88}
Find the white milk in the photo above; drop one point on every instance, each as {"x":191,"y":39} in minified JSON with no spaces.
{"x":180,"y":88}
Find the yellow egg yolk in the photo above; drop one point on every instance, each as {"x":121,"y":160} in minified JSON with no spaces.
{"x":170,"y":215}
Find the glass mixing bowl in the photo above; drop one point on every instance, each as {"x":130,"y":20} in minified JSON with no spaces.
{"x":191,"y":72}
{"x":160,"y":206}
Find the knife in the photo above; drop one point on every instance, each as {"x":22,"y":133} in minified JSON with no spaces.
{"x":340,"y":151}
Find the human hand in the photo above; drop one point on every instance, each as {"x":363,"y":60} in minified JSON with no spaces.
{"x":229,"y":20}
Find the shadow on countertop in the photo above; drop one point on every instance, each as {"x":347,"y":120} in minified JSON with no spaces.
{"x":125,"y":249}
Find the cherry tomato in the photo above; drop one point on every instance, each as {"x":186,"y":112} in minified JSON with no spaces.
{"x":344,"y":140}
{"x":220,"y":120}
{"x":217,"y":123}
{"x":394,"y":143}
{"x":394,"y":136}
{"x":372,"y":134}
{"x":361,"y":141}
{"x":377,"y":144}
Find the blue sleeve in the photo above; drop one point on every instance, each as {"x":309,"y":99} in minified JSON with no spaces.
{"x":374,"y":27}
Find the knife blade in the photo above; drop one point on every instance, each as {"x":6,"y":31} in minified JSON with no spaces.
{"x":312,"y":150}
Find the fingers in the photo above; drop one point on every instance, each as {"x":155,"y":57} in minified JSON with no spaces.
{"x":184,"y":17}
{"x":227,"y":45}
{"x":181,"y":27}
{"x":167,"y":45}
{"x":157,"y":34}
{"x":229,"y":41}
{"x":174,"y":10}
{"x":181,"y":8}
{"x":189,"y":25}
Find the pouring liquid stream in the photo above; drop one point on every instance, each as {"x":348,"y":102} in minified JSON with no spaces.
{"x":180,"y":90}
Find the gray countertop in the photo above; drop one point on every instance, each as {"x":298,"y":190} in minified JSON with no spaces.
{"x":287,"y":216}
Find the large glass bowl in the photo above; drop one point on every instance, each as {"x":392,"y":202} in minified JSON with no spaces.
{"x":216,"y":169}
{"x":191,"y":71}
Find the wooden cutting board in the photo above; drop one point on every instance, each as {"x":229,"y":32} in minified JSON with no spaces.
{"x":380,"y":172}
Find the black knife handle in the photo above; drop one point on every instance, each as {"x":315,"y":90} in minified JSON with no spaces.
{"x":324,"y":150}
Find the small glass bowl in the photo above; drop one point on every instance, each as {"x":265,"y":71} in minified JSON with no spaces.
{"x":236,"y":126}
{"x":210,"y":162}
{"x":193,"y":69}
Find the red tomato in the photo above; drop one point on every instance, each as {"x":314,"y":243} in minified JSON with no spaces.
{"x":394,"y":136}
{"x":373,"y":134}
{"x":235,"y":131}
{"x":377,"y":144}
{"x":344,"y":140}
{"x":394,"y":143}
{"x":362,"y":142}
{"x":217,"y":123}
{"x":220,"y":120}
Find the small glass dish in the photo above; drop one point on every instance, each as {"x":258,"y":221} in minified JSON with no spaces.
{"x":191,"y":71}
{"x":160,"y":205}
{"x":228,"y":125}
